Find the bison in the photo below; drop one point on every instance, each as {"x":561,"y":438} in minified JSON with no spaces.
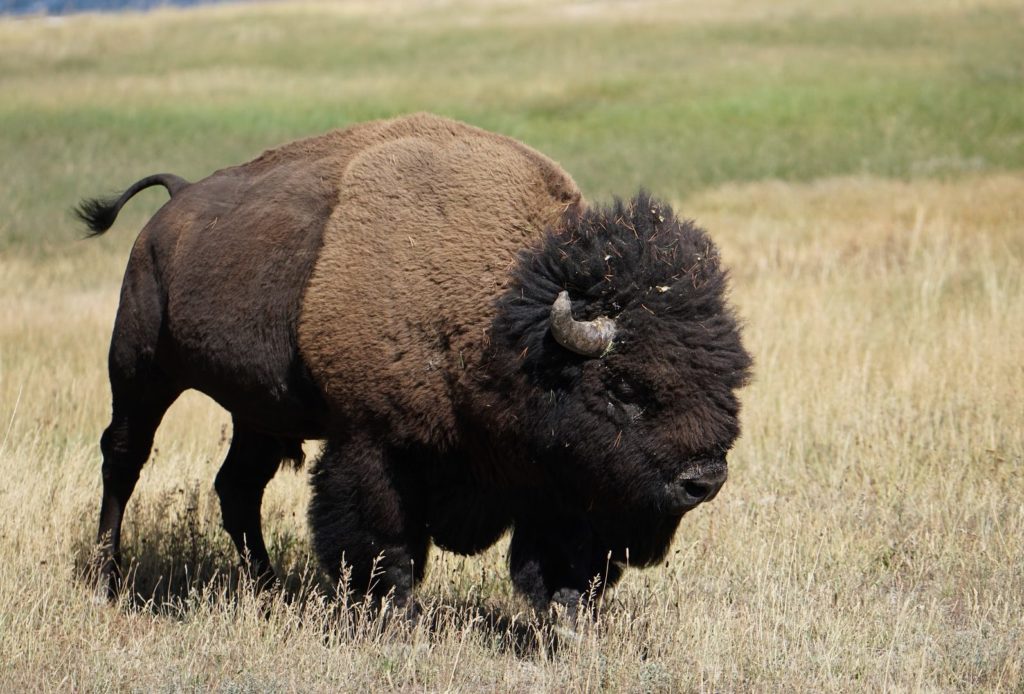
{"x":481,"y":350}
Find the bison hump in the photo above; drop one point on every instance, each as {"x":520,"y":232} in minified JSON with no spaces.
{"x":429,"y":218}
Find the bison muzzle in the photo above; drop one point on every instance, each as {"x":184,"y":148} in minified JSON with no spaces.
{"x":481,"y":350}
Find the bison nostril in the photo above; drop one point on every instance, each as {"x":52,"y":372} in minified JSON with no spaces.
{"x":698,"y":490}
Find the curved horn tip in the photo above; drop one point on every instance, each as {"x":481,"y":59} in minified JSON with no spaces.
{"x":588,"y":338}
{"x":562,"y":303}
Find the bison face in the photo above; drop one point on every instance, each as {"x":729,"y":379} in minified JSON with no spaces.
{"x":624,"y":388}
{"x":639,"y":430}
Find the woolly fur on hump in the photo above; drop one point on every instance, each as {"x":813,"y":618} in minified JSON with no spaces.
{"x":633,"y":261}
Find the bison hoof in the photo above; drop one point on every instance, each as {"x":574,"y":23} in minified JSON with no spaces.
{"x":567,"y":598}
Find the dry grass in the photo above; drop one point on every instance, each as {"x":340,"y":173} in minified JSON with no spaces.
{"x":870,"y":536}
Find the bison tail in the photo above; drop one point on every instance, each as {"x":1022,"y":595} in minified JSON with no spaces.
{"x":99,"y":213}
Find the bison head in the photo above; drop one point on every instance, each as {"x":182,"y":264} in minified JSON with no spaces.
{"x":619,"y":358}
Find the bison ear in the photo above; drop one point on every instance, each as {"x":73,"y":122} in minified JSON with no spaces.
{"x":592,"y":338}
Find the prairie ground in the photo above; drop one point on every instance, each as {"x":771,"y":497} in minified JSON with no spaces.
{"x":862,"y":169}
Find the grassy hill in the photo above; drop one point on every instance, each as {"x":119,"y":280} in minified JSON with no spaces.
{"x":676,"y":97}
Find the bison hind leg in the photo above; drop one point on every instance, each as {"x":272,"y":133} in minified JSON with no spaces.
{"x":251,"y":463}
{"x":125,"y":445}
{"x":367,"y":519}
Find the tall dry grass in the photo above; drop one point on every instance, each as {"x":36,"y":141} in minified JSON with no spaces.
{"x":871,"y":534}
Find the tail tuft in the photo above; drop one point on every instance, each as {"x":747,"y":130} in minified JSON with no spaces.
{"x":98,"y":214}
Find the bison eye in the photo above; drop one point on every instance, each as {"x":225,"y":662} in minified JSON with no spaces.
{"x":633,"y":412}
{"x":623,"y":410}
{"x":625,"y":391}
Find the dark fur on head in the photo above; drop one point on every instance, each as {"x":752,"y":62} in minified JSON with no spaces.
{"x":614,"y":431}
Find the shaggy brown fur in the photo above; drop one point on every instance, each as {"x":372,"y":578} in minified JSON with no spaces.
{"x":431,"y":214}
{"x":388,"y":287}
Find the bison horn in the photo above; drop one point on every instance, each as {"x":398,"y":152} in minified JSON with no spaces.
{"x":591,"y":338}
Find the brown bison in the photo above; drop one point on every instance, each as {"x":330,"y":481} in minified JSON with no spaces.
{"x":406,"y":290}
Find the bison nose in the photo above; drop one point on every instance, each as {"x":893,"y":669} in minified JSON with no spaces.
{"x":704,"y":485}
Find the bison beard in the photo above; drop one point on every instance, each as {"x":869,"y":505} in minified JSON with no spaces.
{"x":481,"y":351}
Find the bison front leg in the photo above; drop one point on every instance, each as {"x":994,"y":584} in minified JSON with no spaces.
{"x":367,"y":515}
{"x":557,"y":561}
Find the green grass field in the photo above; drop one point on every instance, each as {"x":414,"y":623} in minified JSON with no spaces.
{"x":862,"y":168}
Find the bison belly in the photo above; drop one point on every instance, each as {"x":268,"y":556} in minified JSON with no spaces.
{"x":464,"y":517}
